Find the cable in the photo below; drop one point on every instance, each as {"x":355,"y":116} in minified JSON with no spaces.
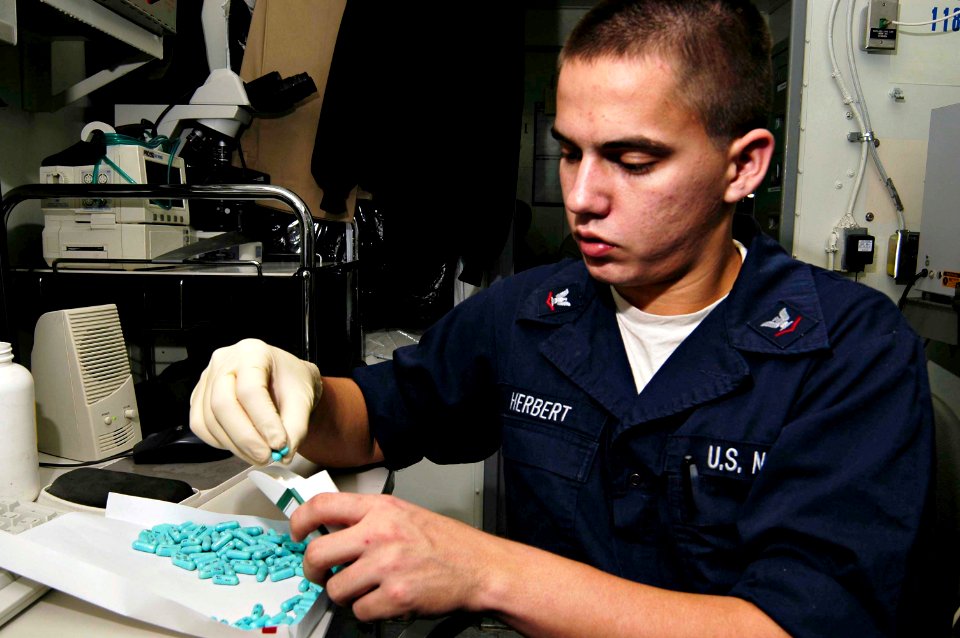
{"x":923,"y":24}
{"x":160,"y":117}
{"x":858,"y":108}
{"x":121,"y":455}
{"x":847,"y":220}
{"x":903,"y":297}
{"x":854,"y":72}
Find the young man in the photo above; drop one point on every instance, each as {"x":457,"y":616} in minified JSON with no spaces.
{"x":701,"y":436}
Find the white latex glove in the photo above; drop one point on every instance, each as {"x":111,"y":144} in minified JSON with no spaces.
{"x":254,"y":398}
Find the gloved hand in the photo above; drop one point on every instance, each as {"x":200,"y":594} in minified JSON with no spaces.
{"x":254,"y":398}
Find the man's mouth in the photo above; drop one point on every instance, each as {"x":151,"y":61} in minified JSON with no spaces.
{"x":593,"y":247}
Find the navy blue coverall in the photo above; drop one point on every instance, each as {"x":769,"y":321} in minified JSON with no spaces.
{"x":783,"y":453}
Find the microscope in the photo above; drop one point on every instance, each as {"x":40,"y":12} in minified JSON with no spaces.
{"x":209,"y":126}
{"x":181,"y":143}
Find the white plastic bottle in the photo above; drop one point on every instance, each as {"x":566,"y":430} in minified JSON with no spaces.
{"x":19,"y":465}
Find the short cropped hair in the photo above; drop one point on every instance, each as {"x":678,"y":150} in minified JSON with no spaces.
{"x":720,"y":50}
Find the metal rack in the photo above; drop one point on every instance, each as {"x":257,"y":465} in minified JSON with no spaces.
{"x":305,"y":273}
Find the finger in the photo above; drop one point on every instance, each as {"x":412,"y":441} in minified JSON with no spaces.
{"x":224,"y":442}
{"x":229,"y":423}
{"x":330,"y":509}
{"x":214,"y":429}
{"x":295,"y":417}
{"x":329,"y":554}
{"x":296,"y":407}
{"x":378,"y":605}
{"x":197,"y":424}
{"x":254,"y":399}
{"x":352,"y":582}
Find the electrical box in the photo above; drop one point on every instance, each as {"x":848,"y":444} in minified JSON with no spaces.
{"x":940,"y":224}
{"x":878,"y":28}
{"x":902,"y":255}
{"x":858,"y":247}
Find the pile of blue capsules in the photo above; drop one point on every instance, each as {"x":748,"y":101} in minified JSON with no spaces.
{"x":225,"y":551}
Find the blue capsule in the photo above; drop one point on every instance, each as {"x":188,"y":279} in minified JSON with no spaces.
{"x":282,"y":574}
{"x":224,"y":552}
{"x":249,"y":570}
{"x":280,"y":618}
{"x":166,"y":550}
{"x":221,"y":542}
{"x":145,"y":546}
{"x":204,"y":557}
{"x":289,"y":603}
{"x":226,"y":579}
{"x":262,"y":553}
{"x":183,"y":562}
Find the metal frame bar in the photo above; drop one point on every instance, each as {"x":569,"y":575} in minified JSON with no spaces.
{"x":308,"y":259}
{"x":791,"y":149}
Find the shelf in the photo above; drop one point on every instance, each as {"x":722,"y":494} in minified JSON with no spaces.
{"x":40,"y":26}
{"x":8,"y":21}
{"x":93,"y":14}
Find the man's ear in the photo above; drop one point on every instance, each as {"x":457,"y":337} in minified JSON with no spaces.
{"x":749,"y":158}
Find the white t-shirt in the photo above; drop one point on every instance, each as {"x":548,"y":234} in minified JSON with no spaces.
{"x":650,"y":339}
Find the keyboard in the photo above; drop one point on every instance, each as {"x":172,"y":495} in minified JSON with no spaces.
{"x":17,"y":592}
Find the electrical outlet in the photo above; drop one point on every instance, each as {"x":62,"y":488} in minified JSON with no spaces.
{"x":878,"y":28}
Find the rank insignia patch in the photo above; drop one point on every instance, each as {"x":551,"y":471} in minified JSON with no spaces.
{"x":783,"y":325}
{"x":559,"y":300}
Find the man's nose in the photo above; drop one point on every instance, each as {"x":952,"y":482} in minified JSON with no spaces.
{"x":586,"y":188}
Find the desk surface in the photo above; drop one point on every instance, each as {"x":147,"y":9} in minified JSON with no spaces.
{"x":59,"y":614}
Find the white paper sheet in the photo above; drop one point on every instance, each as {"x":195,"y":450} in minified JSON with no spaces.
{"x":90,"y":556}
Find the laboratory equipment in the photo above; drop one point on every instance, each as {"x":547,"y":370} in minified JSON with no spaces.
{"x":17,"y":592}
{"x":102,"y":238}
{"x":86,"y":407}
{"x":939,"y":226}
{"x":134,"y":164}
{"x":102,"y":228}
{"x":19,"y":469}
{"x":208,"y":126}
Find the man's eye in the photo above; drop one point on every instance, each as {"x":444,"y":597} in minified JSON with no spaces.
{"x":637,"y":168}
{"x":569,"y":156}
{"x":634,"y":163}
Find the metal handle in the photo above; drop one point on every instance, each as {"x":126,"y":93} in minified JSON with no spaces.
{"x":21,"y":194}
{"x":169,"y":191}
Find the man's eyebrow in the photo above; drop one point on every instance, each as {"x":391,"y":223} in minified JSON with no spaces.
{"x":640,"y":144}
{"x":560,"y":137}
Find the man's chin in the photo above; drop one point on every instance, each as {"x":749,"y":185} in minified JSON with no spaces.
{"x":620,"y":276}
{"x":607,"y":272}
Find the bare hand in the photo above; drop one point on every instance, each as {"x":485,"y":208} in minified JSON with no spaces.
{"x":401,"y":560}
